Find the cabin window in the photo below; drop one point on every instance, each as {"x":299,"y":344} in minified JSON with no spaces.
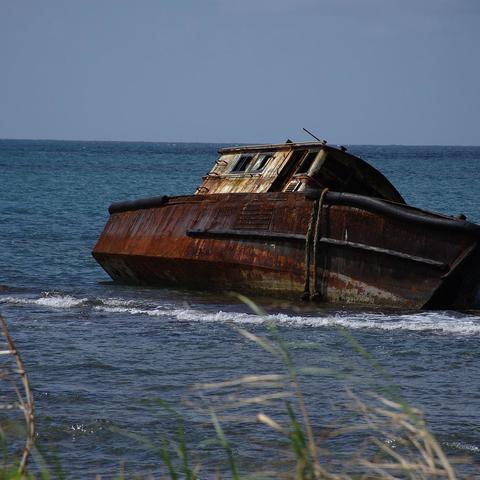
{"x":261,"y":162}
{"x":242,"y":163}
{"x":306,"y":163}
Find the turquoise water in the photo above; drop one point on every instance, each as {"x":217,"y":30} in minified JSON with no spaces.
{"x":99,"y":354}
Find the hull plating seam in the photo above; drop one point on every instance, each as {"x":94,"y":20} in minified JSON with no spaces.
{"x":327,"y":241}
{"x":246,"y":234}
{"x":393,"y":253}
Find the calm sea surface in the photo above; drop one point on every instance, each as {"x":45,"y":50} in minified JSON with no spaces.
{"x":101,"y":355}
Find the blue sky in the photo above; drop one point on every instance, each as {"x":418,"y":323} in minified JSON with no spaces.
{"x":353,"y":71}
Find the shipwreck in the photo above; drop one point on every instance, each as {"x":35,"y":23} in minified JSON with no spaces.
{"x":296,"y":220}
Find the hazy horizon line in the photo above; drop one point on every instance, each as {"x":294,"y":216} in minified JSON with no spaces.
{"x":237,"y":142}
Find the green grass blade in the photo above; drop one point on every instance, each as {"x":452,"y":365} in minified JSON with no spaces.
{"x":226,"y":446}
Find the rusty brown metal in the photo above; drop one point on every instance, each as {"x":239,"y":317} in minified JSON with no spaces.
{"x":370,"y":251}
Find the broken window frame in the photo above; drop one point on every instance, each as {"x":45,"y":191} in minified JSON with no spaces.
{"x":263,"y":159}
{"x":242,"y":163}
{"x":307,"y":161}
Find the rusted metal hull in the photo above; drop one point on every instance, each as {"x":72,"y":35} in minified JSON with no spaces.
{"x":365,"y":251}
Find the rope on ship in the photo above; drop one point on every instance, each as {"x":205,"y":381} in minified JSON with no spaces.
{"x":308,"y":245}
{"x":312,"y":239}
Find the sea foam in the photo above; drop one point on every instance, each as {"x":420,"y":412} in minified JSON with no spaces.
{"x":54,"y":301}
{"x":435,"y":322}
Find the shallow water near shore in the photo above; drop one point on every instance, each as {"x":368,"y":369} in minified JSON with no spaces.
{"x":99,"y":354}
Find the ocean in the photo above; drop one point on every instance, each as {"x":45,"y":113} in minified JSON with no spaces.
{"x":102,"y":358}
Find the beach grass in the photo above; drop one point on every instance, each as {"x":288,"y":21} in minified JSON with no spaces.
{"x":386,"y":437}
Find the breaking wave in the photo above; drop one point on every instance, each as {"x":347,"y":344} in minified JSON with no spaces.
{"x":48,"y":300}
{"x":435,"y":322}
{"x":463,"y":446}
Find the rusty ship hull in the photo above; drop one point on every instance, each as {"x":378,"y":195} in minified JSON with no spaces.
{"x":323,"y":245}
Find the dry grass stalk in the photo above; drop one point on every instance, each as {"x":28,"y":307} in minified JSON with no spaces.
{"x":23,"y":393}
{"x":400,"y":443}
{"x":389,"y":439}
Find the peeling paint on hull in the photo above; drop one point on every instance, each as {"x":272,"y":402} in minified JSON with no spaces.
{"x":255,"y":243}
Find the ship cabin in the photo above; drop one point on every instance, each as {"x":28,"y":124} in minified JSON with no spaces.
{"x":295,"y":167}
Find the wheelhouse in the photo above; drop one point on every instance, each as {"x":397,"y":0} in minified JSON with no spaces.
{"x":294,"y":167}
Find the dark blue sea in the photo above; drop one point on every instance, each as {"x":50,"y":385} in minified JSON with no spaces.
{"x":102,"y":358}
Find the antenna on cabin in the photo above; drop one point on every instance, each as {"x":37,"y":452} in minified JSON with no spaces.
{"x":314,"y":136}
